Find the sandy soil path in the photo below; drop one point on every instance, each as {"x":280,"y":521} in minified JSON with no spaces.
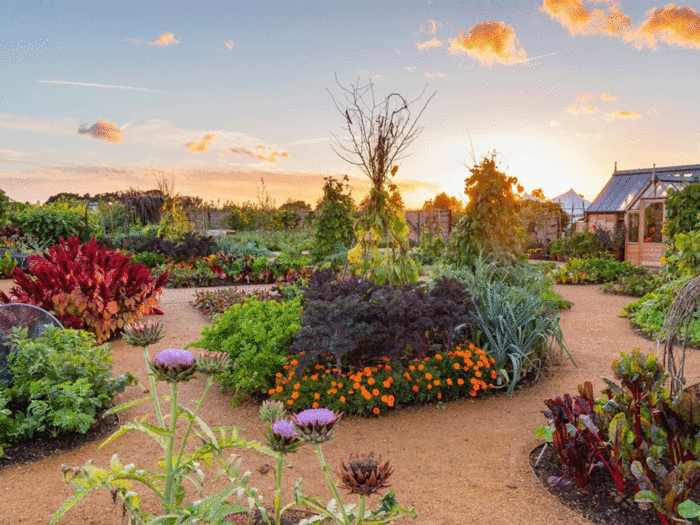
{"x":466,"y":463}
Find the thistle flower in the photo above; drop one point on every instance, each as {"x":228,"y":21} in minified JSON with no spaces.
{"x":283,"y":437}
{"x":143,"y":334}
{"x":213,"y":362}
{"x":364,"y":475}
{"x":272,"y":410}
{"x":316,"y":425}
{"x":173,"y":365}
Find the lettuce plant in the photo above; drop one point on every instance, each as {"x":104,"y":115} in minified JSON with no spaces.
{"x":87,"y":287}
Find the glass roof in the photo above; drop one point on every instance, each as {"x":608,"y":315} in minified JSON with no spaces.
{"x":624,"y":187}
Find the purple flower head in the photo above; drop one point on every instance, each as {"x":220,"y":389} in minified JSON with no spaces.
{"x":173,"y":365}
{"x":284,"y":428}
{"x":315,"y":416}
{"x":316,"y":425}
{"x":283,"y":437}
{"x":172,"y":357}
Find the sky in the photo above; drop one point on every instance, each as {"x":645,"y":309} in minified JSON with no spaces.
{"x":219,"y":96}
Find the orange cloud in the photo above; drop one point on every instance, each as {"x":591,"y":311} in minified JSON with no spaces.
{"x":608,"y":97}
{"x":579,"y":19}
{"x":103,"y":130}
{"x":261,"y":152}
{"x":202,"y":146}
{"x":489,"y":42}
{"x":579,"y":110}
{"x":229,"y":44}
{"x":584,"y":96}
{"x":622,"y":115}
{"x":671,"y":24}
{"x":165,"y":40}
{"x":433,"y":42}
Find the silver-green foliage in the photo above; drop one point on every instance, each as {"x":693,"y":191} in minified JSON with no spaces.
{"x":517,"y":317}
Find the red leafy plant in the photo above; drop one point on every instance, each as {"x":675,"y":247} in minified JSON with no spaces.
{"x":87,"y":287}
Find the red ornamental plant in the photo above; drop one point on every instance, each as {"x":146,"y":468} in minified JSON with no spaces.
{"x":87,"y":287}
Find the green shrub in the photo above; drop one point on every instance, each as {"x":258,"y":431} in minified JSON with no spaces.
{"x":256,"y":335}
{"x":212,"y":302}
{"x":148,"y":259}
{"x":7,"y":265}
{"x":334,"y":225}
{"x":50,"y":223}
{"x":598,"y":270}
{"x":59,"y":383}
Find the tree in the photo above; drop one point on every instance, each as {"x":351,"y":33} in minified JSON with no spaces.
{"x":334,"y":224}
{"x":378,"y":135}
{"x":444,"y":202}
{"x":491,"y":222}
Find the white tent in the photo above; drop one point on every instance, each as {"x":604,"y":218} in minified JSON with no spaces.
{"x":573,"y":204}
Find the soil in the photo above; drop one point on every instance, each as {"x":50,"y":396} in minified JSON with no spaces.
{"x":466,"y":461}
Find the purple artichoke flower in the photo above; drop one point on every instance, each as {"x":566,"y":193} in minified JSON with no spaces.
{"x":316,"y":425}
{"x":173,"y":365}
{"x":283,"y":437}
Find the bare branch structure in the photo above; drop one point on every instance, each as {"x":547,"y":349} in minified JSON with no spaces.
{"x":379,"y":132}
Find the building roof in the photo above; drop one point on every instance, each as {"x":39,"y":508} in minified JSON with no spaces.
{"x":572,"y":203}
{"x":624,"y":187}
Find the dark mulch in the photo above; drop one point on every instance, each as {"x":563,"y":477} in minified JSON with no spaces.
{"x":45,"y":444}
{"x":600,"y":503}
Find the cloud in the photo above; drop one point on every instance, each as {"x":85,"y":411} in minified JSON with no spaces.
{"x":583,"y":97}
{"x":580,"y":110}
{"x":108,"y":86}
{"x":608,"y":97}
{"x":622,"y":115}
{"x":202,"y":146}
{"x":229,"y":44}
{"x":439,"y":74}
{"x":377,"y":77}
{"x":103,"y":130}
{"x":261,"y":152}
{"x":410,"y":68}
{"x":488,"y":42}
{"x":554,"y":123}
{"x":165,"y":39}
{"x":431,"y":26}
{"x":671,"y":24}
{"x":427,"y":44}
{"x":580,"y":19}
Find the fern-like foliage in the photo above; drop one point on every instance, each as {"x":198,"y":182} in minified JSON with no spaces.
{"x":87,"y":287}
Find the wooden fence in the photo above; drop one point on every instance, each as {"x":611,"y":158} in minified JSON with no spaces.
{"x":434,"y":221}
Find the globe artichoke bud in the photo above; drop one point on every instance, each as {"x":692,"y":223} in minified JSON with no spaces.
{"x":316,"y":425}
{"x":364,"y":475}
{"x":282,"y":437}
{"x":213,"y":362}
{"x":173,"y":365}
{"x":272,"y":410}
{"x":143,"y":334}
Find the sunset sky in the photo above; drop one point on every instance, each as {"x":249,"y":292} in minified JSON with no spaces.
{"x":103,"y":96}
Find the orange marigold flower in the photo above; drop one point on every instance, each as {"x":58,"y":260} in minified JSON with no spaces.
{"x":429,"y":386}
{"x":428,"y":376}
{"x":411,"y":368}
{"x":351,"y":392}
{"x":385,"y":398}
{"x":272,"y":391}
{"x":290,"y":401}
{"x":387,"y":368}
{"x":472,"y":393}
{"x":295,"y":395}
{"x":460,"y":381}
{"x":436,"y":382}
{"x":278,"y":374}
{"x":387,"y":383}
{"x":478,"y":373}
{"x":315,"y":405}
{"x":294,"y":362}
{"x":366,"y":395}
{"x":314,"y":377}
{"x":391,"y":401}
{"x":371,"y":381}
{"x":317,"y":396}
{"x":333,"y":384}
{"x":439,"y":396}
{"x":367,"y":371}
{"x":356,"y":386}
{"x":305,"y":378}
{"x":375,"y":392}
{"x":296,"y":386}
{"x":415,"y":388}
{"x":376,"y":411}
{"x":438,"y":357}
{"x":449,"y":381}
{"x":421,"y":367}
{"x":278,"y":389}
{"x":493,"y":374}
{"x":342,"y":399}
{"x":490,"y":385}
{"x":340,"y":385}
{"x":456,"y":366}
{"x":471,"y":346}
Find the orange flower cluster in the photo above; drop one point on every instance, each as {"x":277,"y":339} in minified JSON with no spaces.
{"x":376,"y":389}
